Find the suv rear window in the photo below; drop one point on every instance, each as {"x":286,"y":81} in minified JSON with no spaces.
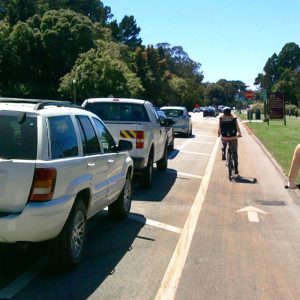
{"x":116,"y":111}
{"x":173,"y":112}
{"x":18,"y":135}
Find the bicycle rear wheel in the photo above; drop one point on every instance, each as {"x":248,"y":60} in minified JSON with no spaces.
{"x":230,"y":164}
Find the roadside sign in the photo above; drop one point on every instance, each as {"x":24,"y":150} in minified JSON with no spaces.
{"x":276,"y":105}
{"x":249,"y":94}
{"x":264,"y":95}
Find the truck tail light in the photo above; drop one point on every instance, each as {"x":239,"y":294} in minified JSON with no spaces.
{"x":139,"y":139}
{"x":43,"y":184}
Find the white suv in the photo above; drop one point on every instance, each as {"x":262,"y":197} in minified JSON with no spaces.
{"x":59,"y":166}
{"x":181,"y":117}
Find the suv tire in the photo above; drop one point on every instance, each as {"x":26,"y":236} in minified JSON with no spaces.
{"x":162,"y":164}
{"x":146,"y":178}
{"x":120,"y":209}
{"x":65,"y":251}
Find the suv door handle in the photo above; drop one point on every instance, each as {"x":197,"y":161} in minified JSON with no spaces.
{"x":111,"y":161}
{"x":91,"y":164}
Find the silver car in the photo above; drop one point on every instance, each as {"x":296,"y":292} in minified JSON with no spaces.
{"x":182,"y":120}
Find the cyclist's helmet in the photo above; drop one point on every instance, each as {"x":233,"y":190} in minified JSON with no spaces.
{"x":227,"y":110}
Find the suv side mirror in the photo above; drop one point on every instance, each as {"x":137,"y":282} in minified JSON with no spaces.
{"x":124,"y":145}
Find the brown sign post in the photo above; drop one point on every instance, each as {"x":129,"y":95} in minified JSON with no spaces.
{"x":276,"y":106}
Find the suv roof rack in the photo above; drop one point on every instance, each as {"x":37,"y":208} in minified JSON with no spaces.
{"x":40,"y":104}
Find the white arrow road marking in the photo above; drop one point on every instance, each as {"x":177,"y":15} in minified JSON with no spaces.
{"x":252,"y":213}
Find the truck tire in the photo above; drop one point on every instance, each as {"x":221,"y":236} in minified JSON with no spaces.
{"x":146,"y":177}
{"x":65,"y":251}
{"x":162,"y":164}
{"x":120,"y":209}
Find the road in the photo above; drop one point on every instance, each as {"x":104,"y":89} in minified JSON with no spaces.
{"x":192,"y":235}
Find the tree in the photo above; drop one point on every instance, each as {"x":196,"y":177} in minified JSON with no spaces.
{"x":151,"y":70}
{"x":127,"y":32}
{"x":100,"y":73}
{"x":231,"y":88}
{"x":17,"y":10}
{"x":65,"y":34}
{"x":215,"y":94}
{"x":25,"y":64}
{"x":5,"y":57}
{"x":289,"y":56}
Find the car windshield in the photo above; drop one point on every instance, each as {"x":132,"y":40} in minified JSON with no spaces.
{"x":18,"y":138}
{"x":173,"y":112}
{"x":116,"y":111}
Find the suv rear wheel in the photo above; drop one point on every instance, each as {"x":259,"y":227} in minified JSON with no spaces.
{"x":65,"y":251}
{"x":120,"y":209}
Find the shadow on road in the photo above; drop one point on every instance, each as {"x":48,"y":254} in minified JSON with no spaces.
{"x":107,"y":243}
{"x":241,"y":179}
{"x":162,"y":183}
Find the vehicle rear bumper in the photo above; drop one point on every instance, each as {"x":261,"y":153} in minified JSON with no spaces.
{"x":180,"y":129}
{"x":37,"y":222}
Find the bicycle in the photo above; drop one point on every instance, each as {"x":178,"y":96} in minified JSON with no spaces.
{"x":229,"y":162}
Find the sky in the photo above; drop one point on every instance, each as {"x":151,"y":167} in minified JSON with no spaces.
{"x":231,"y":39}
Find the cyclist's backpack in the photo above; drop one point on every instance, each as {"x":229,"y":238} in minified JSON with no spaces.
{"x":228,"y":127}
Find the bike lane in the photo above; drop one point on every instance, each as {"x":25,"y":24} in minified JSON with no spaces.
{"x":247,"y":239}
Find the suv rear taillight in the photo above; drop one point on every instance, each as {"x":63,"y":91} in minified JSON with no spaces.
{"x":43,"y":184}
{"x":139,"y":139}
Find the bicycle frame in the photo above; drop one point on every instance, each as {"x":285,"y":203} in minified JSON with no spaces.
{"x":229,"y":161}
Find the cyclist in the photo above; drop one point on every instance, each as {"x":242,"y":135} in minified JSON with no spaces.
{"x":229,"y":130}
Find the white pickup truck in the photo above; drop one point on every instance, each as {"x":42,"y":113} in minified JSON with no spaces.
{"x":137,"y":121}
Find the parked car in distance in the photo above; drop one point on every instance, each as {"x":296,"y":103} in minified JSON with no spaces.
{"x":169,"y":128}
{"x":59,"y":166}
{"x":197,"y":110}
{"x":137,"y":121}
{"x":209,"y":111}
{"x":182,"y":120}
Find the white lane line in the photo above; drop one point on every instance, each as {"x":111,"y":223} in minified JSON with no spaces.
{"x":183,"y":145}
{"x":192,"y":152}
{"x":189,"y":175}
{"x":155,"y":223}
{"x":202,"y":135}
{"x":16,"y":286}
{"x":171,"y":278}
{"x":202,"y":142}
{"x":185,"y":174}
